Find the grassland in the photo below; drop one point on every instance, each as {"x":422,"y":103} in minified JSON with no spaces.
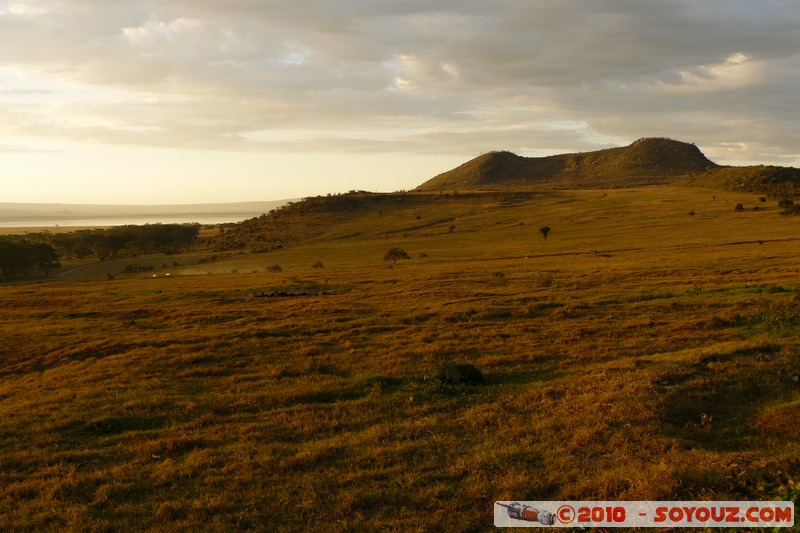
{"x":638,"y":353}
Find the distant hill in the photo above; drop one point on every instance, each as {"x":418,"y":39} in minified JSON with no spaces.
{"x":645,"y":162}
{"x":648,"y":161}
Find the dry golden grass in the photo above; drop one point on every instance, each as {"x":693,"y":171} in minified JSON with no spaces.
{"x":638,"y":353}
{"x":50,"y":229}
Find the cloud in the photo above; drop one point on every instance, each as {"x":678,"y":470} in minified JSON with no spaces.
{"x":17,"y":149}
{"x":441,"y":76}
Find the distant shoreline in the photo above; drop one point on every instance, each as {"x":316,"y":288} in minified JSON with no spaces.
{"x":31,"y":217}
{"x":43,"y":223}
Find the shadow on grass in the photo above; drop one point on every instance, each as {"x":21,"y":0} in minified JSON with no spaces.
{"x":449,"y":380}
{"x":543,"y":368}
{"x":714,"y":403}
{"x":112,"y":425}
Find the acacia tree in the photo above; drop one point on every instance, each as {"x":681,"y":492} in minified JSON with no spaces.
{"x":396,"y":253}
{"x":20,"y":258}
{"x":545,"y":231}
{"x":44,"y":257}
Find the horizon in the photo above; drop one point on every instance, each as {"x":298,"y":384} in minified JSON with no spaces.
{"x":192,"y":204}
{"x":187,"y":103}
{"x":297,"y":198}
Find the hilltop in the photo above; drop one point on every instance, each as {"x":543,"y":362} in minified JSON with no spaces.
{"x":647,"y":161}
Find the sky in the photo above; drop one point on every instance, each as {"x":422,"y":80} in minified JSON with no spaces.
{"x":202,"y":101}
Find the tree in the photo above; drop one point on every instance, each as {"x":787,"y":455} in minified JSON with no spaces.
{"x":396,"y":253}
{"x":545,"y":231}
{"x":44,"y":257}
{"x":21,"y":257}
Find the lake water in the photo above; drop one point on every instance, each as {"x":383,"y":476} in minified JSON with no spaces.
{"x":126,"y":221}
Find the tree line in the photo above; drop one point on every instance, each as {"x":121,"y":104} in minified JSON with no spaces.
{"x":42,"y":252}
{"x":23,"y":258}
{"x":121,"y":241}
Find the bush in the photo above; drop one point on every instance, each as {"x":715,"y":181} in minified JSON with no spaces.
{"x":739,"y":207}
{"x":545,"y":231}
{"x":450,"y":373}
{"x":275,"y":269}
{"x":134,"y":268}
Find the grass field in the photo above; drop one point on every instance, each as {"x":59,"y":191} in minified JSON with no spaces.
{"x":638,"y":353}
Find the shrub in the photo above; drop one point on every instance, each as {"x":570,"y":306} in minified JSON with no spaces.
{"x":318,"y":264}
{"x":134,"y":268}
{"x":499,"y":278}
{"x":275,"y":269}
{"x":739,"y":207}
{"x":545,"y":231}
{"x":450,"y":373}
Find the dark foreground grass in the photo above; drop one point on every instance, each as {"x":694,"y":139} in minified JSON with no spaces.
{"x":192,"y":403}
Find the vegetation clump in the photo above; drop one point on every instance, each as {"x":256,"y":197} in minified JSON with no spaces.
{"x":789,"y":207}
{"x":134,"y":268}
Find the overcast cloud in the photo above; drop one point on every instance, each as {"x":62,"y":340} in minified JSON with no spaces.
{"x":450,"y":77}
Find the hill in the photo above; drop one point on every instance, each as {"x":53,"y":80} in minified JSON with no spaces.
{"x":648,"y":161}
{"x":764,"y":179}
